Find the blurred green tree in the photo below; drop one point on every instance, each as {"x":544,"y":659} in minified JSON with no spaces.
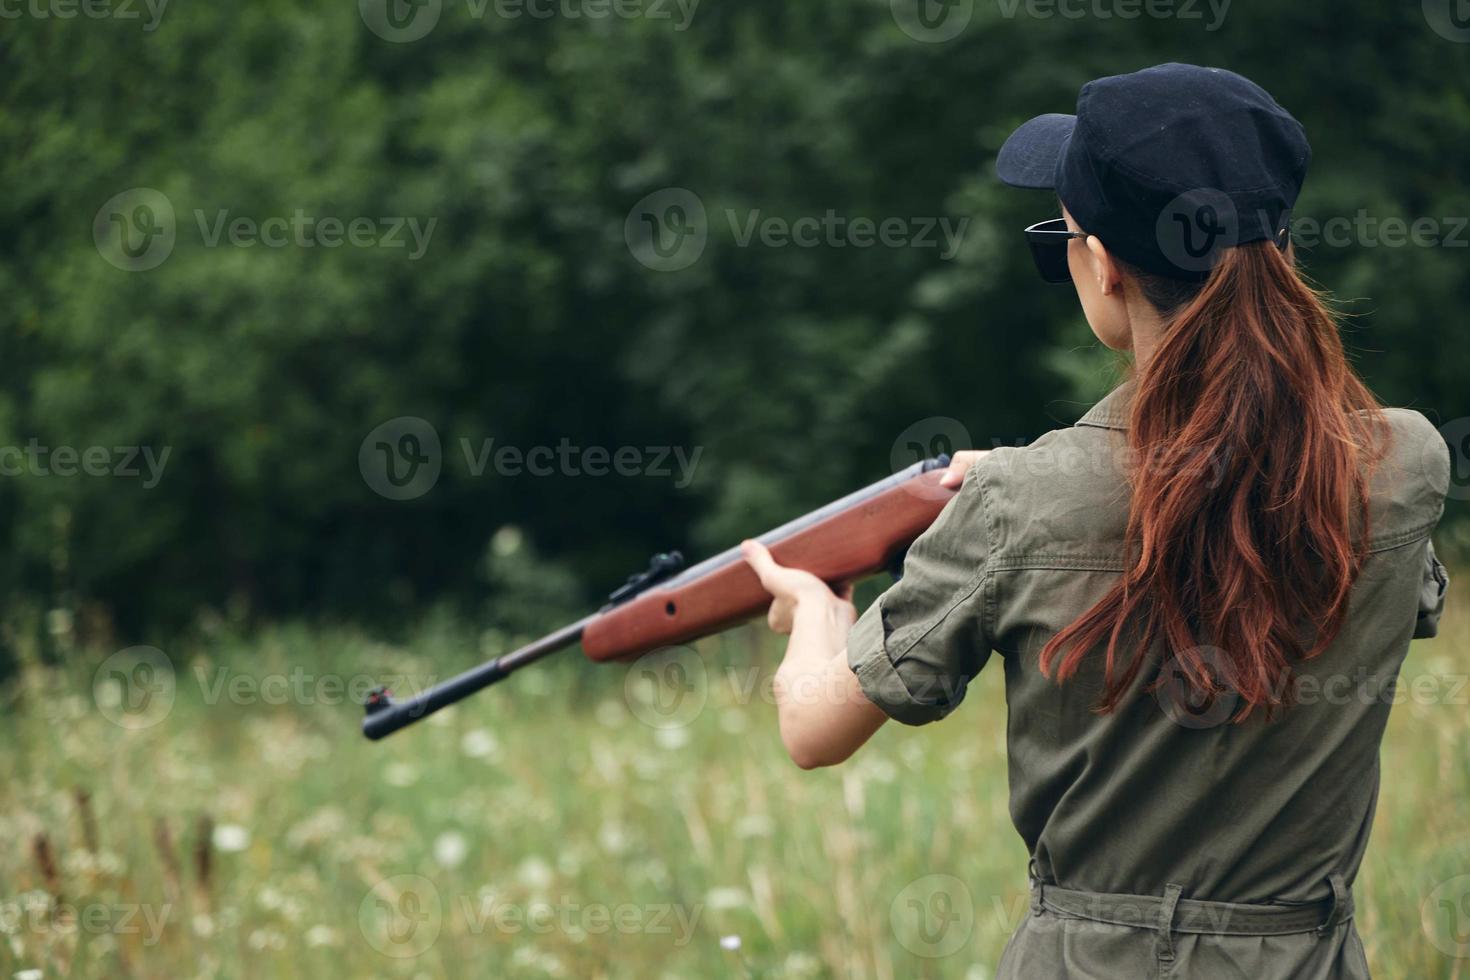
{"x":528,"y":318}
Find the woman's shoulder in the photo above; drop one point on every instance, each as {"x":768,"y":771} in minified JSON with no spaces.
{"x":1063,"y":495}
{"x":1411,"y":478}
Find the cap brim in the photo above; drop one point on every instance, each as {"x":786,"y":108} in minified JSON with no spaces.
{"x":1029,"y":157}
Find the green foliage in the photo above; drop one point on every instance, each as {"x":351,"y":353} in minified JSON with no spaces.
{"x":528,"y":320}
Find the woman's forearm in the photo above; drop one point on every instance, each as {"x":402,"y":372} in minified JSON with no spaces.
{"x":823,"y":714}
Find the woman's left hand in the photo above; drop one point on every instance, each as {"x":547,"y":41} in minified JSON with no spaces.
{"x":791,"y":587}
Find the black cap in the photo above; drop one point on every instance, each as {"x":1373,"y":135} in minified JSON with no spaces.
{"x":1168,"y":166}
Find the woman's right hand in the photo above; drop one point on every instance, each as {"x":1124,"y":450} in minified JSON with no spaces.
{"x":958,"y":463}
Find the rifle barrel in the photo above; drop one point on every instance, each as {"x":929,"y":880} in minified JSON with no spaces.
{"x":388,"y":715}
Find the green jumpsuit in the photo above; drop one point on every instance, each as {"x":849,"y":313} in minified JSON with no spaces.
{"x":1165,"y":840}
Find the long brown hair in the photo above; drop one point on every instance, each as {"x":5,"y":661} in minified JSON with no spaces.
{"x":1252,"y":442}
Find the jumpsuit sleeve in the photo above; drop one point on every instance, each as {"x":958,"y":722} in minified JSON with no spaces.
{"x":918,"y":645}
{"x":1431,"y":595}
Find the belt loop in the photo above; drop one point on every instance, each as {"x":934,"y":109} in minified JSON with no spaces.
{"x":1036,"y":896}
{"x":1165,"y":944}
{"x":1339,"y":902}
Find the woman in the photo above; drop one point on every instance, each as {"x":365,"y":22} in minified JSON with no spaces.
{"x":1201,"y":593}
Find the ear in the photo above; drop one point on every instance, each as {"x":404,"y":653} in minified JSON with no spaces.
{"x":1103,"y":266}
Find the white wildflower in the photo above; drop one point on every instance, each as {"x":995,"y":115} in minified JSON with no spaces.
{"x":323,"y":936}
{"x":754,"y":825}
{"x":230,"y":837}
{"x":613,"y":838}
{"x":610,"y":713}
{"x":477,"y":743}
{"x":450,"y":849}
{"x":734,"y":721}
{"x":535,"y":873}
{"x":400,"y":774}
{"x":720,"y":899}
{"x":672,"y":738}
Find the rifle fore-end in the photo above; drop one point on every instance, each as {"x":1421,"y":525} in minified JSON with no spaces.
{"x":844,"y":546}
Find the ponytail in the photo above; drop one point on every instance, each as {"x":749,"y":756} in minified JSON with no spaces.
{"x":1247,"y":527}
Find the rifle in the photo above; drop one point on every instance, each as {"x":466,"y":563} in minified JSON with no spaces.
{"x":854,"y":537}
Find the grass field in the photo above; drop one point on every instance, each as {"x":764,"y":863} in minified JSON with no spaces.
{"x":213,"y":812}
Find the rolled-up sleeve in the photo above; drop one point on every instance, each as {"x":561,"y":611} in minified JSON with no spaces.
{"x":918,"y":645}
{"x":1431,"y":595}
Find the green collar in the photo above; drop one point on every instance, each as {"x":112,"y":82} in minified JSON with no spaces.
{"x":1112,"y":411}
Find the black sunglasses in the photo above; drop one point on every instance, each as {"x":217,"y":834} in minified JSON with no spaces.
{"x":1048,"y":241}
